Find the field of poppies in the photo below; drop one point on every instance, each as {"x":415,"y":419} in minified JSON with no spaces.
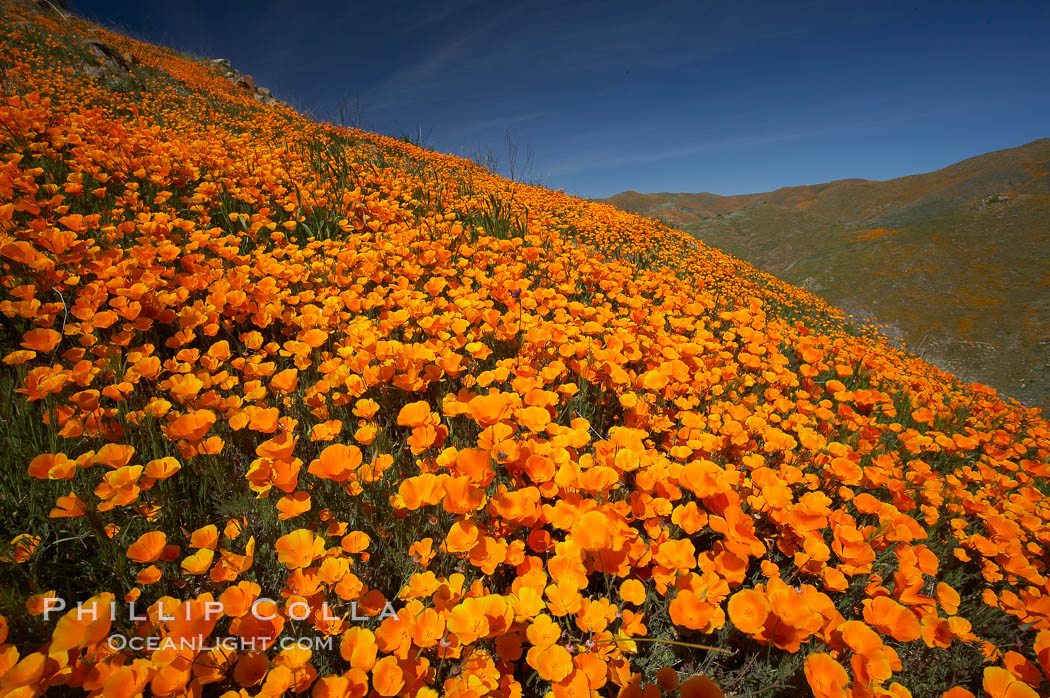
{"x":287,"y":408}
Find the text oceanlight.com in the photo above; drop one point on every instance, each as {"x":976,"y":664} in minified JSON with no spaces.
{"x":230,"y":643}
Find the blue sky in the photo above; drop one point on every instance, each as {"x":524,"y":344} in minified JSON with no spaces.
{"x":725,"y":97}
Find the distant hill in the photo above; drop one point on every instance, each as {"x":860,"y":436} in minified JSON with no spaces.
{"x":956,"y":262}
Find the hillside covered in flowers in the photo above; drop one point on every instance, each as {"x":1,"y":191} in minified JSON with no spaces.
{"x":269,"y":383}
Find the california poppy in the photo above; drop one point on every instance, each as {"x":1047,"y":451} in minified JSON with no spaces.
{"x":148,"y":547}
{"x":826,"y":677}
{"x":748,"y":610}
{"x":41,"y":339}
{"x":299,"y":548}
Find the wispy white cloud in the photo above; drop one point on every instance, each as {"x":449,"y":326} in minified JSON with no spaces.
{"x":505,"y":121}
{"x":398,"y":88}
{"x":437,"y":14}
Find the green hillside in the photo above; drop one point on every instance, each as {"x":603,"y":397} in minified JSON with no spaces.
{"x":953,"y":262}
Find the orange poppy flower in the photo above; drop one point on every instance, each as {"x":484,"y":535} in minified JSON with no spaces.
{"x":691,"y":611}
{"x":957,"y":692}
{"x":461,"y":496}
{"x":461,"y":537}
{"x":358,"y":647}
{"x":1000,"y":683}
{"x":861,"y":639}
{"x":428,"y":628}
{"x":336,"y":462}
{"x":233,"y":528}
{"x":633,"y":591}
{"x":948,"y":598}
{"x":52,"y":466}
{"x":19,"y":357}
{"x":1042,"y":650}
{"x":490,"y":409}
{"x":387,"y":677}
{"x":576,"y":685}
{"x":292,"y":505}
{"x":278,"y":448}
{"x":326,"y":431}
{"x":936,"y":632}
{"x":314,"y":337}
{"x":23,"y":252}
{"x":40,"y":339}
{"x":299,"y":548}
{"x":826,"y":677}
{"x":192,"y":426}
{"x":67,"y":507}
{"x":699,"y":687}
{"x":552,"y":662}
{"x":891,"y":618}
{"x":1019,"y":666}
{"x":748,"y":610}
{"x":509,"y":647}
{"x":199,"y":562}
{"x":285,"y":381}
{"x":356,"y":542}
{"x":366,"y":434}
{"x":237,"y":599}
{"x":264,"y":421}
{"x":162,"y":468}
{"x":535,"y":419}
{"x":366,"y":409}
{"x":148,"y":547}
{"x":414,"y":414}
{"x":205,"y":537}
{"x":84,"y":626}
{"x":250,"y":669}
{"x":593,"y":531}
{"x":115,"y":455}
{"x":527,"y":603}
{"x":336,"y":686}
{"x":467,"y":621}
{"x":149,"y":575}
{"x":35,"y":603}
